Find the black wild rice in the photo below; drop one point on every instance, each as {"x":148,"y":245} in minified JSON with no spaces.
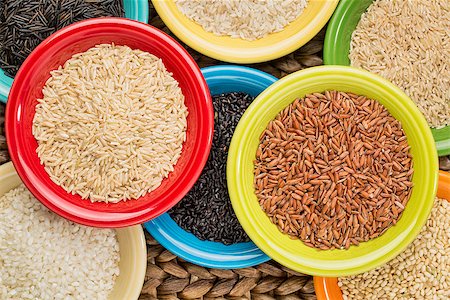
{"x":24,"y":24}
{"x":206,"y":210}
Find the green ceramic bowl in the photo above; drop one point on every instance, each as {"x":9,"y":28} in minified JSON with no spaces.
{"x":293,"y":253}
{"x":337,"y":47}
{"x":134,"y":9}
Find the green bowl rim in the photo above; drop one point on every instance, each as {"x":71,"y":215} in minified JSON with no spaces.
{"x":332,"y":55}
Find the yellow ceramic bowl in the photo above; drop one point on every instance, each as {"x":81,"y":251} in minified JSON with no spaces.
{"x":133,"y":250}
{"x":225,"y":48}
{"x":293,"y":253}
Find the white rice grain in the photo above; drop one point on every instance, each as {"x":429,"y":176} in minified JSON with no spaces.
{"x":46,"y":257}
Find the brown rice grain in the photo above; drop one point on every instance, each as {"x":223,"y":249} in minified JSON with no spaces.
{"x":408,"y":43}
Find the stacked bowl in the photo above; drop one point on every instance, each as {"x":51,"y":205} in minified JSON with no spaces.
{"x":254,"y":135}
{"x":134,"y":9}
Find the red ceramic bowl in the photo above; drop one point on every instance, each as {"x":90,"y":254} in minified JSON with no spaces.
{"x":27,"y":88}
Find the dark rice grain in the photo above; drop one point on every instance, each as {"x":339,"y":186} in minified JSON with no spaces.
{"x":206,"y":210}
{"x":24,"y":24}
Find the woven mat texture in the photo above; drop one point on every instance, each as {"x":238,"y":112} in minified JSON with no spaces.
{"x":169,"y":277}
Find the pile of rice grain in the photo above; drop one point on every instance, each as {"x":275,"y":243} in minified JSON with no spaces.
{"x":422,"y":271}
{"x":43,"y":256}
{"x":333,"y":169}
{"x":245,"y":19}
{"x":111,"y":124}
{"x":408,"y":42}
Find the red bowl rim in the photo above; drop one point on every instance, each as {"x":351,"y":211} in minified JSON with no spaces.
{"x":99,"y":218}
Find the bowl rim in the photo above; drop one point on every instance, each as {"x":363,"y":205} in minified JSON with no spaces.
{"x":87,"y":216}
{"x":137,"y":10}
{"x":268,"y":243}
{"x":327,"y":287}
{"x":135,"y":234}
{"x":186,"y":245}
{"x":333,"y":54}
{"x":203,"y":253}
{"x":139,"y":266}
{"x":168,"y":12}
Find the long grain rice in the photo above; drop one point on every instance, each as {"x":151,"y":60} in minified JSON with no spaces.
{"x":111,"y":124}
{"x":245,"y":19}
{"x":408,"y":42}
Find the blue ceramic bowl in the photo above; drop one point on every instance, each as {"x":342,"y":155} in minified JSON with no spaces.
{"x":134,"y":9}
{"x":220,"y":79}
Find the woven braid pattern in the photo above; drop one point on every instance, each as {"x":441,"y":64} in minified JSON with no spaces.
{"x":169,"y":277}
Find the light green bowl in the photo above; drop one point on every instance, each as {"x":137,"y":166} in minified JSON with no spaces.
{"x":293,"y":253}
{"x":134,"y":9}
{"x":337,"y":47}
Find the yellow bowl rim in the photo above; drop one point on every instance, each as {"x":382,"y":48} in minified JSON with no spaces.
{"x":185,"y":30}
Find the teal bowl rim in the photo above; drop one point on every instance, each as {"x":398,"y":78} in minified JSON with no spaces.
{"x":137,"y":10}
{"x":336,"y":33}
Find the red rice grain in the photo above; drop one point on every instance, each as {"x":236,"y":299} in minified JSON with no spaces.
{"x":333,"y":170}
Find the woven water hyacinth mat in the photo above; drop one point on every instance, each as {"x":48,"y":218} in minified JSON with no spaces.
{"x":169,"y":277}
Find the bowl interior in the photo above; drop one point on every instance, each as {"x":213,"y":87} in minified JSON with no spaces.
{"x":134,"y":10}
{"x":220,"y":79}
{"x":133,"y":249}
{"x":293,"y":253}
{"x":327,"y":287}
{"x":225,"y":48}
{"x":229,"y":78}
{"x":337,"y":47}
{"x":27,"y":88}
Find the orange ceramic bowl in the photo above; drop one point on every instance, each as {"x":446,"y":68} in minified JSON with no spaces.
{"x":327,"y":287}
